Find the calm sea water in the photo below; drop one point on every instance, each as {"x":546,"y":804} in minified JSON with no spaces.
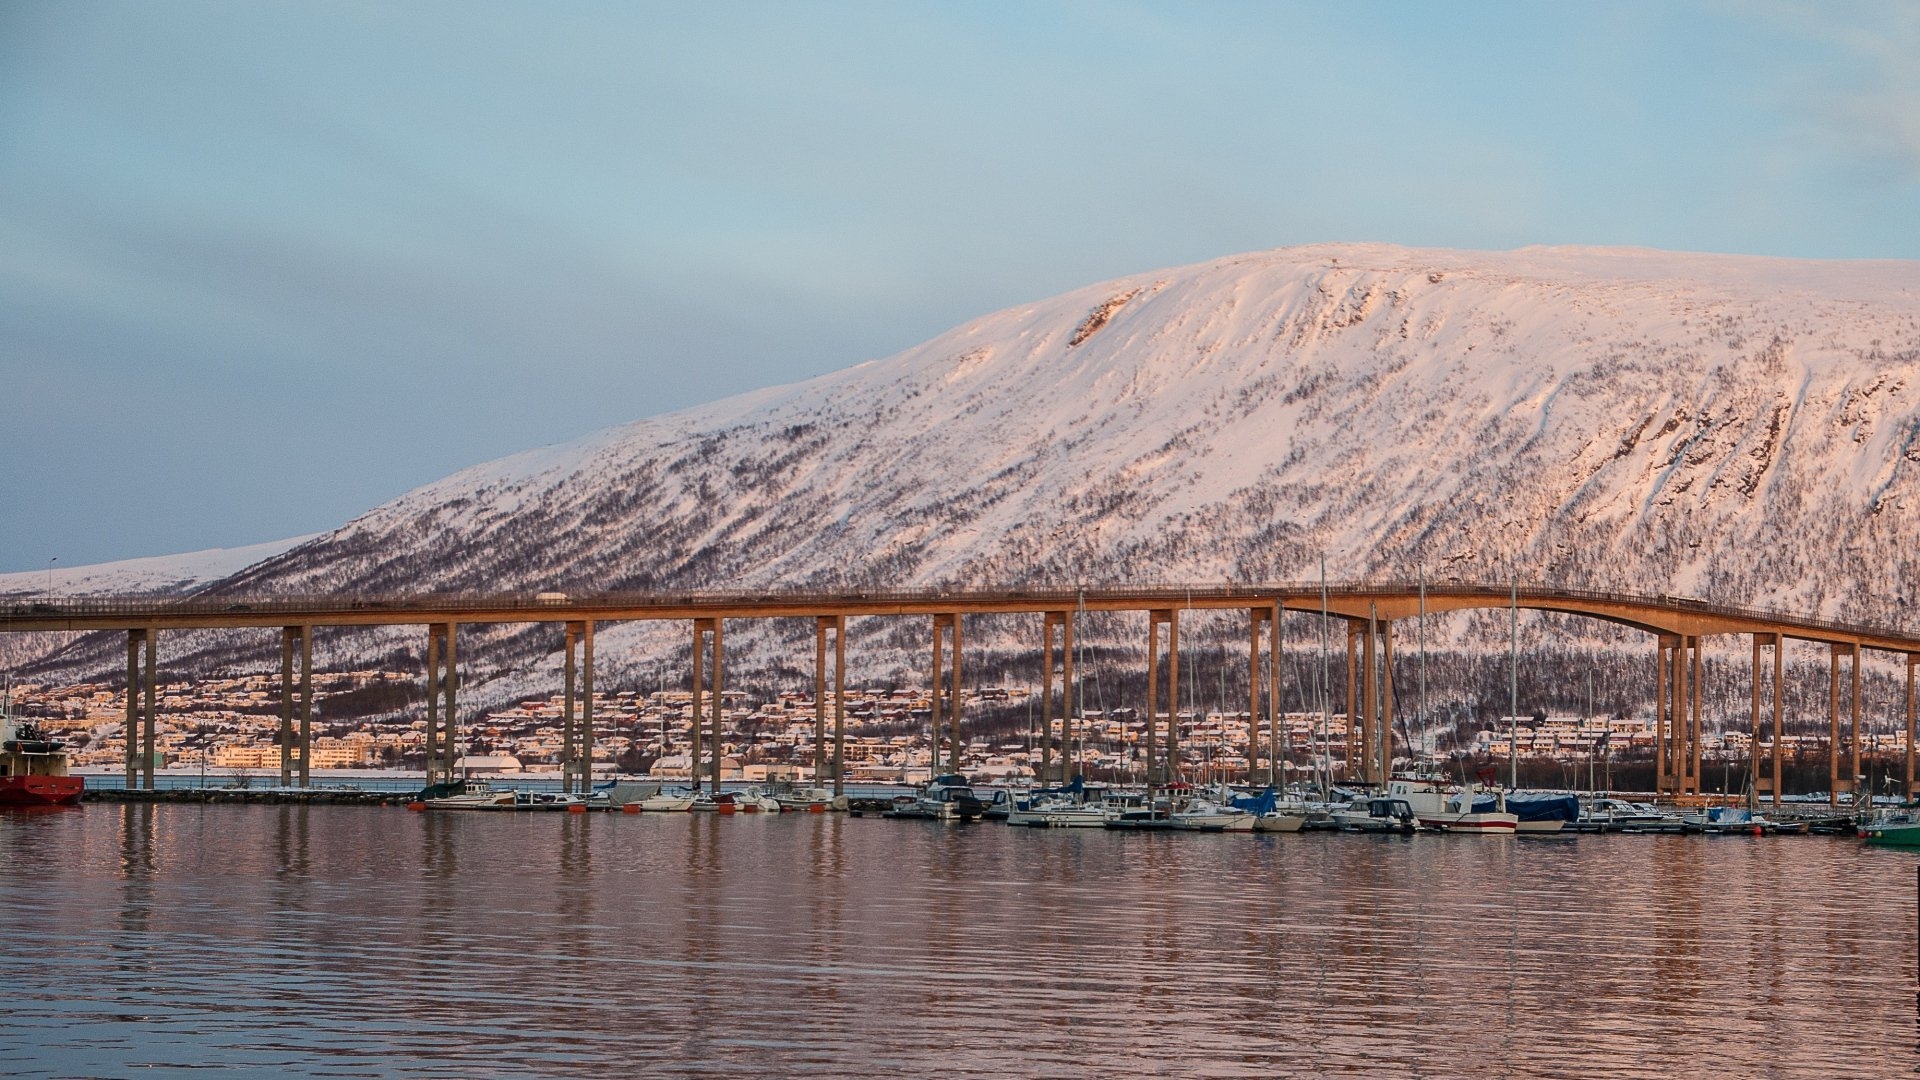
{"x":342,"y":941}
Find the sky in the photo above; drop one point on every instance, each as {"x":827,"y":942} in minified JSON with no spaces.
{"x":266,"y":266}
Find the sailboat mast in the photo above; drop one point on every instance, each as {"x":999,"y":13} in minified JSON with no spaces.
{"x":1421,"y":719}
{"x":1326,"y":703}
{"x":1513,"y":685}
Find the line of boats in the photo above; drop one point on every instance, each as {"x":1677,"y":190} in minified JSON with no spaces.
{"x":629,"y":797}
{"x":1407,"y":804}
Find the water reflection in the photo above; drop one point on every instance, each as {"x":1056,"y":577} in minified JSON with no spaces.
{"x":330,"y":940}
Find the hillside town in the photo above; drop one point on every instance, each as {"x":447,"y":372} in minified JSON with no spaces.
{"x":231,"y":726}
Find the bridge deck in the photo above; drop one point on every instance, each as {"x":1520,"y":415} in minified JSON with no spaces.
{"x":1656,"y":614}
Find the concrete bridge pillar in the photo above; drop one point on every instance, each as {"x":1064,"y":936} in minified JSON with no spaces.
{"x":1166,"y":770}
{"x":836,"y":625}
{"x":1766,"y":771}
{"x":1677,"y":716}
{"x":1840,"y":776}
{"x":576,"y":726}
{"x":946,"y":691}
{"x":1268,"y":617}
{"x":1913,"y":783}
{"x":296,"y":749}
{"x":1056,"y":632}
{"x":1356,"y":727}
{"x":442,"y":686}
{"x":705,"y":631}
{"x":142,"y":701}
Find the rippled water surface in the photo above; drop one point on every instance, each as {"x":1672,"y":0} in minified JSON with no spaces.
{"x":342,"y":941}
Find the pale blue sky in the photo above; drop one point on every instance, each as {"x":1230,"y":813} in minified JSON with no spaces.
{"x":264,"y":266}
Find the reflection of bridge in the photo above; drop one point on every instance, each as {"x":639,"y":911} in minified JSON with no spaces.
{"x":1678,"y":624}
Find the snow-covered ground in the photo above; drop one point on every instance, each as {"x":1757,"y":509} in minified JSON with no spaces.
{"x":154,"y":574}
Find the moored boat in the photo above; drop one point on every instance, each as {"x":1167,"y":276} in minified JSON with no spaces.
{"x":1620,"y":815}
{"x":1376,"y":814}
{"x":1893,"y":830}
{"x":946,"y":798}
{"x":462,"y":795}
{"x":33,"y":764}
{"x":1469,"y":809}
{"x":1730,"y":821}
{"x":1204,"y":816}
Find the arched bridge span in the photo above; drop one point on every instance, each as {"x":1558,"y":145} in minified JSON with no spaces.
{"x":1370,"y":610}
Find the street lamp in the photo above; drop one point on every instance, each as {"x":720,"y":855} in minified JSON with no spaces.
{"x":50,"y":563}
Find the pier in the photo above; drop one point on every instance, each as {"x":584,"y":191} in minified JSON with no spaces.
{"x":1369,"y":612}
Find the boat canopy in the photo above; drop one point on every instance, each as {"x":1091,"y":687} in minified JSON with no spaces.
{"x":1542,"y":806}
{"x":1256,"y":805}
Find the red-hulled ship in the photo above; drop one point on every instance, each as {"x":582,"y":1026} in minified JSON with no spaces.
{"x":33,"y":767}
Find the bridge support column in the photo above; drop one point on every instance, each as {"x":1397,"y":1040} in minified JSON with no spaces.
{"x":142,"y":702}
{"x":1695,"y":729}
{"x":1660,"y":703}
{"x":296,"y":746}
{"x":576,"y":727}
{"x":945,"y":721}
{"x":1056,"y":627}
{"x":1276,"y":640}
{"x":442,"y":684}
{"x":1366,"y":752}
{"x":1356,"y":730}
{"x":1840,"y":777}
{"x":1255,"y":618}
{"x":287,"y":636}
{"x":1677,"y":720}
{"x":703,"y":629}
{"x":1766,"y":772}
{"x":1163,"y":769}
{"x":1383,"y":740}
{"x":837,"y":626}
{"x":1913,"y":752}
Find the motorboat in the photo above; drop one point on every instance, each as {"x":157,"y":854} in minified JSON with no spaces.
{"x":1057,"y":812}
{"x":1621,"y":815}
{"x":946,"y":798}
{"x":1205,"y":816}
{"x":1376,"y":814}
{"x":1893,"y":830}
{"x":1469,"y":809}
{"x":816,"y":800}
{"x":466,"y":794}
{"x":1730,"y":821}
{"x":667,"y":802}
{"x":755,"y":800}
{"x":1145,"y":818}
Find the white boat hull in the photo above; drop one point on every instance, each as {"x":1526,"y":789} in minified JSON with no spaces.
{"x":1489,"y":824}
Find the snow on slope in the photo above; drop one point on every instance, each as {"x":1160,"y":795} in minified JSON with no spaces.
{"x":1742,"y":429}
{"x":154,"y":575}
{"x":1235,"y":419}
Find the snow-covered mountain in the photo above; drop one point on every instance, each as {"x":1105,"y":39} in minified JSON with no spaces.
{"x":154,"y":575}
{"x":1739,"y":429}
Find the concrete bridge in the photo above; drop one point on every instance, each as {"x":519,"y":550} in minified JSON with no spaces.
{"x":1369,"y":612}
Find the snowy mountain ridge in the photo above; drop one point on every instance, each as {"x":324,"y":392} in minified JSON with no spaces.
{"x":1745,"y":430}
